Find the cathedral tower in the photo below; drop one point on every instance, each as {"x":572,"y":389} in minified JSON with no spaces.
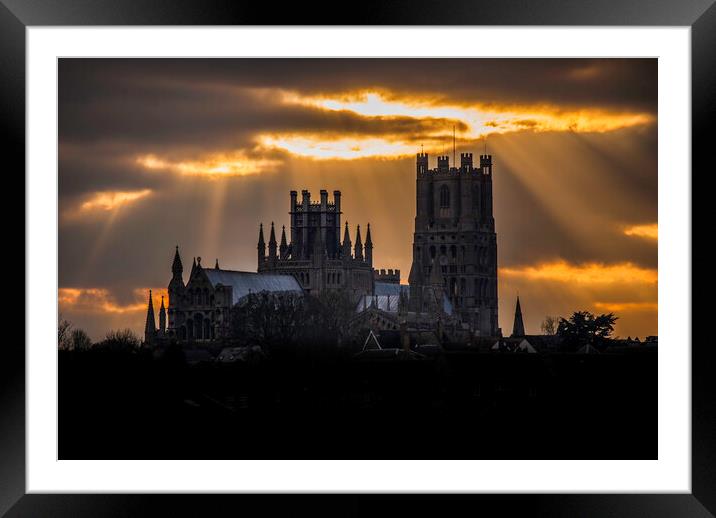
{"x":455,"y":234}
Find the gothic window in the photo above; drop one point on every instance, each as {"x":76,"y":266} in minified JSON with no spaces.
{"x":444,"y":197}
{"x":443,"y":250}
{"x":432,"y":252}
{"x":453,"y":251}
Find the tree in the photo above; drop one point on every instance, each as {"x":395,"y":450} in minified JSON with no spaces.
{"x":63,"y":334}
{"x":119,"y":341}
{"x":80,"y":340}
{"x":549,"y":325}
{"x":278,"y":321}
{"x":585,"y":328}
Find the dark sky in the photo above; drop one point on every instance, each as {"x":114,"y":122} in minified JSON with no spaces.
{"x":197,"y":152}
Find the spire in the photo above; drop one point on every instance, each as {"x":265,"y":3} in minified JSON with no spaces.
{"x":283,"y":248}
{"x":272,"y":243}
{"x":346,"y":243}
{"x":518,"y":329}
{"x":261,"y":247}
{"x":216,"y":266}
{"x":162,"y":319}
{"x":368,"y":247}
{"x":261,"y":235}
{"x":193,"y":267}
{"x":272,"y":237}
{"x":150,"y":329}
{"x":177,"y":267}
{"x":359,"y":245}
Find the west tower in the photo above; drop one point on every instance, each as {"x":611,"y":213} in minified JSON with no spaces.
{"x":455,"y":238}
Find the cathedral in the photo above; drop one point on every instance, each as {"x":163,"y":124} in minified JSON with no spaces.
{"x":452,"y":290}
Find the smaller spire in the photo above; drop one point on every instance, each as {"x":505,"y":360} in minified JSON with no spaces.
{"x":150,"y":328}
{"x":216,"y":266}
{"x":261,"y":234}
{"x":283,"y":247}
{"x":177,"y":267}
{"x":368,"y":241}
{"x":359,"y":245}
{"x":518,"y":328}
{"x":346,"y":236}
{"x":162,"y":319}
{"x":272,"y":237}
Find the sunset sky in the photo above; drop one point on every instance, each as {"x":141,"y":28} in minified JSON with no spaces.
{"x":196,"y":153}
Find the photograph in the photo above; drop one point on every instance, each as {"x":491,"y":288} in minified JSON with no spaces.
{"x":357,"y":258}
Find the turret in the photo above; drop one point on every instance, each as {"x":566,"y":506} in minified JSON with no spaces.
{"x":358,"y":253}
{"x":466,"y":161}
{"x":272,"y":246}
{"x":422,"y":163}
{"x":368,"y":247}
{"x":486,"y":164}
{"x":283,"y":247}
{"x":150,"y":329}
{"x":443,"y":164}
{"x":261,"y":246}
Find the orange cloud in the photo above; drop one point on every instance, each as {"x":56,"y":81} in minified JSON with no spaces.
{"x":214,"y":165}
{"x":585,"y":274}
{"x":472,"y":122}
{"x":650,"y":231}
{"x":615,"y":307}
{"x":101,"y":301}
{"x":111,"y":200}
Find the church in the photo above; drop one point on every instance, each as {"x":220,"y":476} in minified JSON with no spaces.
{"x":452,"y":286}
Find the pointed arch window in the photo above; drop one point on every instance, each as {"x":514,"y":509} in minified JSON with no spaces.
{"x":444,"y":197}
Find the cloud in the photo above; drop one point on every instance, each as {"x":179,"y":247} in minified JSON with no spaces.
{"x":649,"y":231}
{"x":586,"y":274}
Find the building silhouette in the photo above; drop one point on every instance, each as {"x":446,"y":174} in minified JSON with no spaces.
{"x":315,"y":256}
{"x":452,"y":290}
{"x":454,"y":243}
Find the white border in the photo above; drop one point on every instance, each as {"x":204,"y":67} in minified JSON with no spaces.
{"x":670,"y":473}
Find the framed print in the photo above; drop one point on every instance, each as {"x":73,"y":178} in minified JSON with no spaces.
{"x":443,"y":259}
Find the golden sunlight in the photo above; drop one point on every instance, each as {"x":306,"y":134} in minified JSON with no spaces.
{"x":110,"y":200}
{"x":481,"y":119}
{"x":586,"y":273}
{"x":341,"y":148}
{"x":216,"y":165}
{"x":646,"y":231}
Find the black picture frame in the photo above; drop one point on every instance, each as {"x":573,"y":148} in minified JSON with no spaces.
{"x":700,"y":15}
